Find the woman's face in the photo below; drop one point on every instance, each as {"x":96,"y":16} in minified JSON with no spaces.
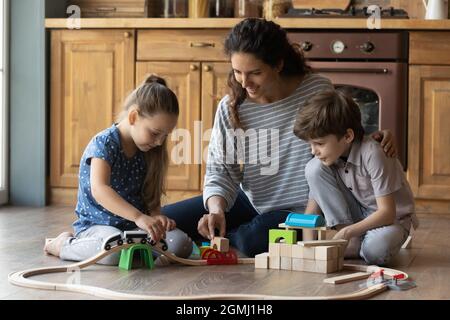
{"x":256,"y":77}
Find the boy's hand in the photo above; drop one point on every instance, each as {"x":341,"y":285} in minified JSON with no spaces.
{"x":152,"y":226}
{"x":167,"y":223}
{"x":386,"y":140}
{"x":345,"y":233}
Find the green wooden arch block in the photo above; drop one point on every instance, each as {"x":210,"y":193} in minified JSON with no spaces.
{"x":289,"y":236}
{"x":126,"y":256}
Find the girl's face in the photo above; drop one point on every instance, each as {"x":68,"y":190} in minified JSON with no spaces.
{"x":148,"y":132}
{"x":256,"y":77}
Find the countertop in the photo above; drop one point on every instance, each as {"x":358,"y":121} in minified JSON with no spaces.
{"x":212,"y":23}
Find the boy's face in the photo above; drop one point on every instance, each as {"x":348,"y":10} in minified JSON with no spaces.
{"x":329,"y":148}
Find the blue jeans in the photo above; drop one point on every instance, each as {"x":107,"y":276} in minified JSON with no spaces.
{"x":247,"y":230}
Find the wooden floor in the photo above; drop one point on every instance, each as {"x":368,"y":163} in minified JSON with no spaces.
{"x":23,"y":230}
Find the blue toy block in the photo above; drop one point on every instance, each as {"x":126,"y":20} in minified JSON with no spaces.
{"x":304,"y":220}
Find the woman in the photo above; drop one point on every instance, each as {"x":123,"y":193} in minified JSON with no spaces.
{"x":255,"y":171}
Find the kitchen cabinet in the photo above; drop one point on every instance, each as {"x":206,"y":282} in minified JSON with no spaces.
{"x":91,"y":73}
{"x":429,"y":116}
{"x":195,"y":68}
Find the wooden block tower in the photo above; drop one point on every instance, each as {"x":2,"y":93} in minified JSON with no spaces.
{"x":285,"y":253}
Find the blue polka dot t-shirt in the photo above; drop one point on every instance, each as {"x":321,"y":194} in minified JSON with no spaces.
{"x":127,"y":177}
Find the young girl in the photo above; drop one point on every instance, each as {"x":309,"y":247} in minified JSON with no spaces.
{"x":121,"y":177}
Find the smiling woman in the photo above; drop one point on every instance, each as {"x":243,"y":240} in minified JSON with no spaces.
{"x":3,"y":105}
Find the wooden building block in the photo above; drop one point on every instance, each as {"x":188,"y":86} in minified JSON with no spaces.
{"x":347,"y":278}
{"x":326,"y":266}
{"x":341,"y":251}
{"x":299,"y":251}
{"x":327,"y":253}
{"x":285,"y":263}
{"x":274,"y":249}
{"x":220,"y":244}
{"x":303,"y":265}
{"x":262,"y":261}
{"x":274,"y":262}
{"x":275,"y":235}
{"x":318,"y":243}
{"x":285,"y":250}
{"x":340,"y":263}
{"x":297,"y":264}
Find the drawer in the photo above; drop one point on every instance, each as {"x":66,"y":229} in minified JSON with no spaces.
{"x":185,"y":45}
{"x":429,"y":48}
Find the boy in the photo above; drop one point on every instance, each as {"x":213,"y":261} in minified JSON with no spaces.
{"x":361,"y":192}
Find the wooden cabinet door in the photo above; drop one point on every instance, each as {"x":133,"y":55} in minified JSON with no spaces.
{"x":184,"y":80}
{"x":429,"y":132}
{"x":92,"y":71}
{"x":214,"y":88}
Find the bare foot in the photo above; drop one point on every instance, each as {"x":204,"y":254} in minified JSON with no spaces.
{"x":54,"y":247}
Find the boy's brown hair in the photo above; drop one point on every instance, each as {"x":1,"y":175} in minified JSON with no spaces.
{"x":328,"y":112}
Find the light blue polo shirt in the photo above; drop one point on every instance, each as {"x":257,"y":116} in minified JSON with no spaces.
{"x":127,"y":178}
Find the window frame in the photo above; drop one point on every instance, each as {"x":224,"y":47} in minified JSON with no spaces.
{"x":4,"y":116}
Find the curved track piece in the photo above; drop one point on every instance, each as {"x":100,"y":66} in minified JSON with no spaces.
{"x":21,"y":278}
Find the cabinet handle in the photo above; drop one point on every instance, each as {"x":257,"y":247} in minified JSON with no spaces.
{"x":193,"y":67}
{"x":202,"y":44}
{"x":105,"y":9}
{"x":207,"y":68}
{"x":127,"y":34}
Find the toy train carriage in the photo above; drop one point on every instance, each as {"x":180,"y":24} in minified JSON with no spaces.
{"x":131,"y":237}
{"x":137,"y":236}
{"x":114,"y":240}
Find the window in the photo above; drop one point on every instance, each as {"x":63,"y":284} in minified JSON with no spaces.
{"x":3,"y":104}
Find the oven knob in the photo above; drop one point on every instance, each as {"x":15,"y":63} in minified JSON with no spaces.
{"x":338,"y":47}
{"x":367,"y":47}
{"x":306,"y":46}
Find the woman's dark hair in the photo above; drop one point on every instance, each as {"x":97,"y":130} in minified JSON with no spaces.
{"x":268,"y":42}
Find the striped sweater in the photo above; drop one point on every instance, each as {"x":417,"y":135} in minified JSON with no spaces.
{"x":265,"y":159}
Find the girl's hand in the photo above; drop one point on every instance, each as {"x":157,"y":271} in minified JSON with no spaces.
{"x":345,"y":233}
{"x":152,"y":226}
{"x":167,"y":223}
{"x":386,"y":139}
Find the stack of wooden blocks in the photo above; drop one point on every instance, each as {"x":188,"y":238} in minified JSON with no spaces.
{"x":322,"y":256}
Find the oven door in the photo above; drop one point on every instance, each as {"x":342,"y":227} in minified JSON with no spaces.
{"x":380,"y":90}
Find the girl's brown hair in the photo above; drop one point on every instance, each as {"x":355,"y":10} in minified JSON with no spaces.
{"x":328,"y":112}
{"x":268,"y":42}
{"x":151,"y":97}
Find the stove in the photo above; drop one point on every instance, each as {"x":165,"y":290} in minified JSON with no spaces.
{"x":352,"y":12}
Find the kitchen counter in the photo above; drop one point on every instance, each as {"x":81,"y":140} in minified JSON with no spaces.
{"x":211,"y":23}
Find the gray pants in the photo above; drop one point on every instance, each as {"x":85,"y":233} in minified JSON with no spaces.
{"x":89,"y":243}
{"x":339,"y":207}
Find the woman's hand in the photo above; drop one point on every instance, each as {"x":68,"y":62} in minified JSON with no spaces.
{"x":386,"y":139}
{"x":211,"y":221}
{"x":152,"y":225}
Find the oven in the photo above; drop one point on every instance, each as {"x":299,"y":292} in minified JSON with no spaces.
{"x":371,"y":67}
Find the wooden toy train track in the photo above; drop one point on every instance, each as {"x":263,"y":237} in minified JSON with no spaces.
{"x":22,"y":278}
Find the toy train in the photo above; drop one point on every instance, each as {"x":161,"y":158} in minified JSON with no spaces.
{"x":131,"y":237}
